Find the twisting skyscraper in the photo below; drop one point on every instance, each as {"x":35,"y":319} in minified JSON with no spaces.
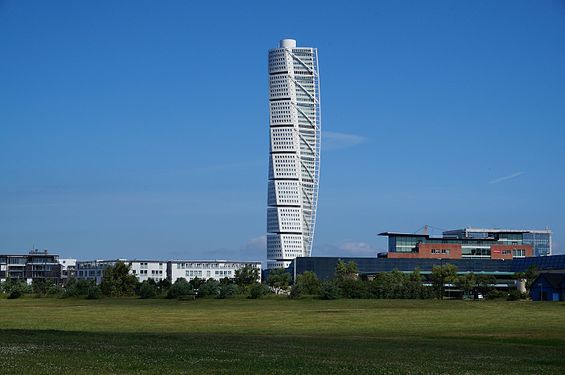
{"x":294,"y":155}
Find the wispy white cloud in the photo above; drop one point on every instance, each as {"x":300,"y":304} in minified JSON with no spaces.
{"x":505,"y":178}
{"x":257,"y":243}
{"x":255,"y":248}
{"x":337,"y":141}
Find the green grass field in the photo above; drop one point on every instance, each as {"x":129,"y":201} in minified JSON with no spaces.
{"x":280,"y":336}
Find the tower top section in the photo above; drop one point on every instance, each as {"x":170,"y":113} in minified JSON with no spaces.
{"x":288,"y":43}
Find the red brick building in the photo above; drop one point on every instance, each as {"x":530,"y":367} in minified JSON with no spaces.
{"x":422,"y":246}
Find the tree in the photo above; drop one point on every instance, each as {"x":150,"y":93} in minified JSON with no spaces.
{"x":94,"y":292}
{"x":147,"y":289}
{"x":55,"y":290}
{"x":40,"y":287}
{"x":78,"y":288}
{"x":196,"y":283}
{"x":258,"y":290}
{"x":414,"y":288}
{"x":279,"y":280}
{"x":163,"y":285}
{"x":531,"y":274}
{"x":118,"y":281}
{"x":16,"y":288}
{"x":228,"y":291}
{"x":180,"y":288}
{"x":467,"y":283}
{"x":485,"y":284}
{"x":345,"y":271}
{"x":308,"y":283}
{"x":210,"y":288}
{"x":246,"y":276}
{"x":353,"y":288}
{"x":388,"y":285}
{"x":441,"y":275}
{"x":329,"y":290}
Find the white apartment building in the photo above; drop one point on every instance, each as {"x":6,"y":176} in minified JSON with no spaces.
{"x":148,"y":269}
{"x":159,"y":269}
{"x":68,"y":269}
{"x":94,"y":269}
{"x":294,"y":153}
{"x":207,"y":269}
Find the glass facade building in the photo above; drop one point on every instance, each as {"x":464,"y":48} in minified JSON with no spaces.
{"x":294,"y":152}
{"x":408,"y":245}
{"x":540,"y":240}
{"x":324,"y":267}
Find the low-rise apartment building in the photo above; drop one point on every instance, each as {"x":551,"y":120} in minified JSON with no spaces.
{"x":36,"y":265}
{"x":172,"y":270}
{"x":148,"y":269}
{"x":207,"y":269}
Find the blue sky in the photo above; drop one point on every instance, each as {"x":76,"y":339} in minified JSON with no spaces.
{"x":140,"y":129}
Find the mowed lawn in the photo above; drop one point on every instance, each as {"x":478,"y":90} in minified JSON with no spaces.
{"x":280,"y":336}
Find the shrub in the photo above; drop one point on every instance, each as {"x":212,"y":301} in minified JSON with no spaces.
{"x":16,"y":289}
{"x":295,"y":292}
{"x":307,"y":283}
{"x":147,"y":290}
{"x":494,"y":294}
{"x":40,"y":287}
{"x":164,"y":285}
{"x":351,"y":288}
{"x":279,"y":280}
{"x":228,"y":291}
{"x":78,"y":288}
{"x":180,"y":288}
{"x":94,"y":292}
{"x":328,"y":291}
{"x":15,"y":293}
{"x":210,"y":288}
{"x":514,"y":295}
{"x":258,"y":290}
{"x":55,"y":290}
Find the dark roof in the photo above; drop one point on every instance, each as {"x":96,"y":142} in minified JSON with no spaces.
{"x":554,"y":279}
{"x":390,"y":234}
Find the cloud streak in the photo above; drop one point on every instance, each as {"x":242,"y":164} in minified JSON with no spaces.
{"x":339,"y":141}
{"x":505,"y":178}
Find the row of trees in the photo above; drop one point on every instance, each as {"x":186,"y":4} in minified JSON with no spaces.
{"x":347,"y":284}
{"x":119,"y":282}
{"x":40,"y":288}
{"x":395,"y":284}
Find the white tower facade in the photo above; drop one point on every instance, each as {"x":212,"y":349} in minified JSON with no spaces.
{"x":294,"y":155}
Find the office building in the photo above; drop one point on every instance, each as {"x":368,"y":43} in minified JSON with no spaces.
{"x":540,"y":240}
{"x":503,"y":269}
{"x":294,"y":154}
{"x":410,"y":245}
